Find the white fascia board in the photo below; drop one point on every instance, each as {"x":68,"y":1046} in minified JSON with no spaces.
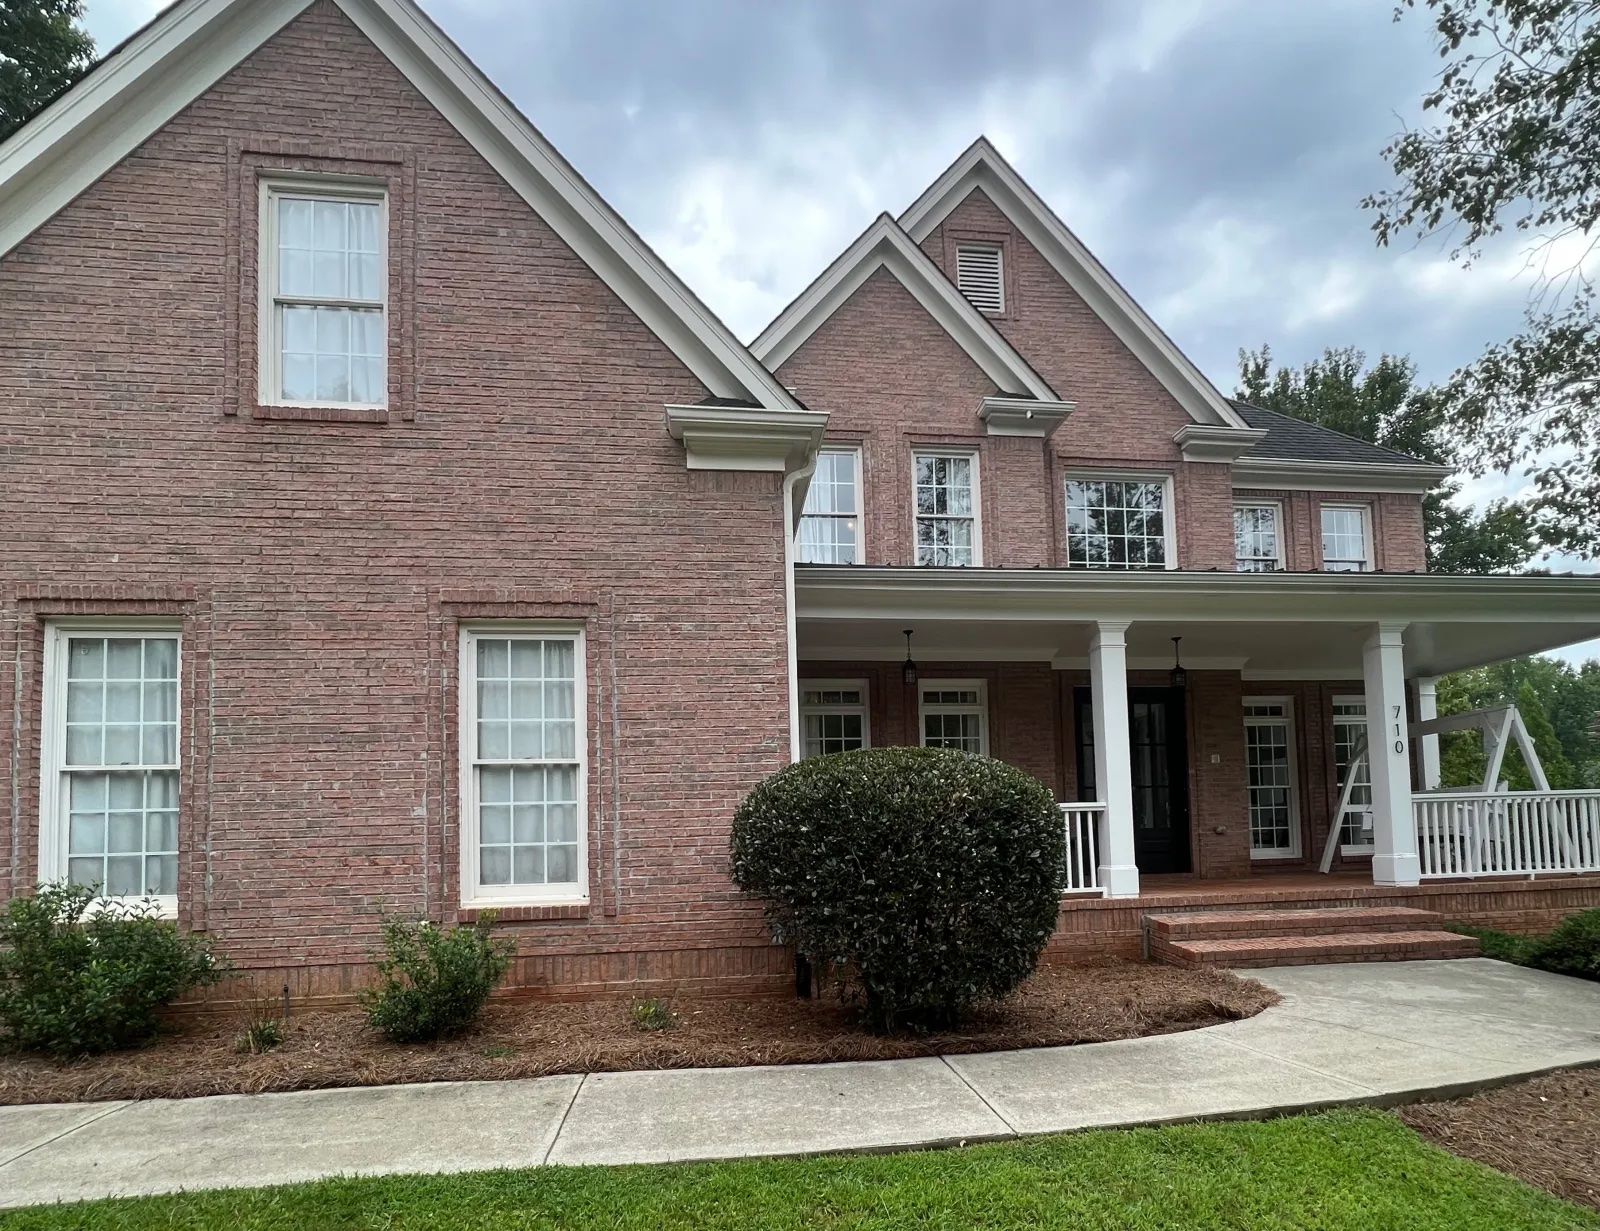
{"x":736,"y":438}
{"x":1413,"y":478}
{"x":1202,"y":442}
{"x":982,"y":167}
{"x":186,"y":50}
{"x":124,"y":101}
{"x":883,"y":245}
{"x":1023,"y":416}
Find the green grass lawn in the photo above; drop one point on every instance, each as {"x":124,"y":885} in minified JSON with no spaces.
{"x":1360,"y":1170}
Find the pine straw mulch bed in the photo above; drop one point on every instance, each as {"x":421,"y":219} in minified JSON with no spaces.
{"x":1545,"y":1131}
{"x":1088,"y":1003}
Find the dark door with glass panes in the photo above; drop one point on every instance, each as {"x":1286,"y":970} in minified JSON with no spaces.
{"x":1159,"y":749}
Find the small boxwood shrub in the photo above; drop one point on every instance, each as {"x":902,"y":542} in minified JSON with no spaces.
{"x":433,"y":982}
{"x":930,"y":877}
{"x":78,"y":977}
{"x":1573,"y":948}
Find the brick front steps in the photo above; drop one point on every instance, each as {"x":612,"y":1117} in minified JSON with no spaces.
{"x":1301,"y":937}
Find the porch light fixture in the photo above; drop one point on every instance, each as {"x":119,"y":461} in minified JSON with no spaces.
{"x":908,"y":673}
{"x":1178,"y":676}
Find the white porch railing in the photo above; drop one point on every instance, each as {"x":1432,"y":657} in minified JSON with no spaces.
{"x":1520,"y":833}
{"x":1082,"y":823}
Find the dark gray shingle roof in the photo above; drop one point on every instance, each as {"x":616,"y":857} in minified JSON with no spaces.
{"x":1291,"y":439}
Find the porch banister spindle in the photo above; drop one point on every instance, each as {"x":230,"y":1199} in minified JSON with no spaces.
{"x":1113,"y":757}
{"x":1394,"y":829}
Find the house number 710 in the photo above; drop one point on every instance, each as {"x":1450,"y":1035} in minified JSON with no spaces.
{"x":1399,"y":740}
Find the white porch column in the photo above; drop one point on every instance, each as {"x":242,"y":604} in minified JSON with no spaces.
{"x":1113,"y":760}
{"x":1428,"y":746}
{"x":1394,"y":832}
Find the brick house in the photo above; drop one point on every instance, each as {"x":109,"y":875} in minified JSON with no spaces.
{"x":386,"y":529}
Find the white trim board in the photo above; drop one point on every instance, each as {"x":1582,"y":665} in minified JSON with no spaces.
{"x":185,"y":51}
{"x":981,"y":166}
{"x":883,"y":245}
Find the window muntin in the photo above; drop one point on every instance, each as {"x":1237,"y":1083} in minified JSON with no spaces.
{"x":830,"y":526}
{"x":1350,"y":737}
{"x":1270,"y":778}
{"x":1117,"y":523}
{"x":954,"y":714}
{"x":946,"y":505}
{"x":1257,"y":538}
{"x":1346,"y":542}
{"x":833,"y":716}
{"x":980,"y":276}
{"x":324,"y":272}
{"x":525,"y":766}
{"x":111,"y":761}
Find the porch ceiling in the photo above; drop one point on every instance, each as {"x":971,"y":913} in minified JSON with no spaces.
{"x":1285,"y":625}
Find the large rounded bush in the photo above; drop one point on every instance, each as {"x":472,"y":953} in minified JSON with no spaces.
{"x":931,"y":877}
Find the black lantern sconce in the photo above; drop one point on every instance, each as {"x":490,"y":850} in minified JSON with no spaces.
{"x":1178,"y":676}
{"x":908,"y":672}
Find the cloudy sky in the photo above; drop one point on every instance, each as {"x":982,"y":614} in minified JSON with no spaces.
{"x":1213,"y":153}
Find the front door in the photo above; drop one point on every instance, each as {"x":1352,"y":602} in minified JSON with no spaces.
{"x":1158,"y":746}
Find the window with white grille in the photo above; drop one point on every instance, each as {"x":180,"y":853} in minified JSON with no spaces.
{"x":1117,"y":523}
{"x":110,"y":806}
{"x":524,"y":766}
{"x":1270,"y":778}
{"x":946,"y":509}
{"x":1350,"y":739}
{"x":954,"y":714}
{"x":1257,"y":546}
{"x":980,"y":275}
{"x":833,"y":716}
{"x":830,"y":526}
{"x":1346,"y":539}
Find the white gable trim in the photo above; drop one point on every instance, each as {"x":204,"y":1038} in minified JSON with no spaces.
{"x":982,"y":167}
{"x":884,"y":245}
{"x":186,"y":50}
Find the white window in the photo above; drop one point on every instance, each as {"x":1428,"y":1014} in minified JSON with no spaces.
{"x":954,"y":714}
{"x":524,"y":766}
{"x":1350,"y":738}
{"x":109,"y":814}
{"x":833,"y":716}
{"x":1270,"y":778}
{"x":830,"y":527}
{"x":1115,"y":522}
{"x":980,"y":276}
{"x":946,"y":503}
{"x":324,"y":294}
{"x":1346,"y":539}
{"x":1257,"y":538}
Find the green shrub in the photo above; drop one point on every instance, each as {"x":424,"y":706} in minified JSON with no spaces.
{"x":652,"y":1015}
{"x":931,"y":878}
{"x":433,"y":982}
{"x":1573,"y":948}
{"x":77,"y":977}
{"x":263,"y":1028}
{"x":1502,"y":946}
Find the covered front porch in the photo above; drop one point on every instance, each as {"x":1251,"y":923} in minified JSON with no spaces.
{"x":1240,"y":769}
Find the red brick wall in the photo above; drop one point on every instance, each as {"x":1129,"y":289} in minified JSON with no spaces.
{"x":320,"y":568}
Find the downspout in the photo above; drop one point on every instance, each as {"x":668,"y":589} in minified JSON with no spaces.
{"x":792,"y":483}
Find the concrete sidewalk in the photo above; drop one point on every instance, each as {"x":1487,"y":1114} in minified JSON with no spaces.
{"x":1375,"y":1033}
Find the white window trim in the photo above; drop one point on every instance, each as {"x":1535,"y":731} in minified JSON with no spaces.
{"x":52,"y":730}
{"x":977,"y":502}
{"x":1288,"y":723}
{"x":1338,"y":783}
{"x":1277,"y":527}
{"x":1169,"y":507}
{"x":981,"y":709}
{"x":473,"y":895}
{"x":864,"y":709}
{"x":861,"y":497}
{"x":333,"y":188}
{"x":1370,"y":564}
{"x":1000,"y":271}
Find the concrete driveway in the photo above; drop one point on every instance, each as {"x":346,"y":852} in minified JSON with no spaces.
{"x":1360,"y":1033}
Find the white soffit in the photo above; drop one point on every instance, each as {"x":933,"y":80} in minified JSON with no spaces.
{"x":884,"y":245}
{"x":983,"y":167}
{"x":191,"y":46}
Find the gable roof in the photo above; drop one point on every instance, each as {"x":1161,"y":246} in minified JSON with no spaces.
{"x":164,"y":67}
{"x":982,"y":167}
{"x":884,"y":245}
{"x":1289,"y":438}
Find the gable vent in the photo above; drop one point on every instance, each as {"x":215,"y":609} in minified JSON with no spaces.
{"x":981,"y":278}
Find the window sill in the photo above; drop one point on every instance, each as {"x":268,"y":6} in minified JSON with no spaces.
{"x":523,"y":912}
{"x":323,"y":414}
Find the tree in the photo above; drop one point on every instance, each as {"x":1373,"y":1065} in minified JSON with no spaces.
{"x":1548,"y":694}
{"x":1383,"y":405}
{"x":43,"y":50}
{"x":1517,"y":145}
